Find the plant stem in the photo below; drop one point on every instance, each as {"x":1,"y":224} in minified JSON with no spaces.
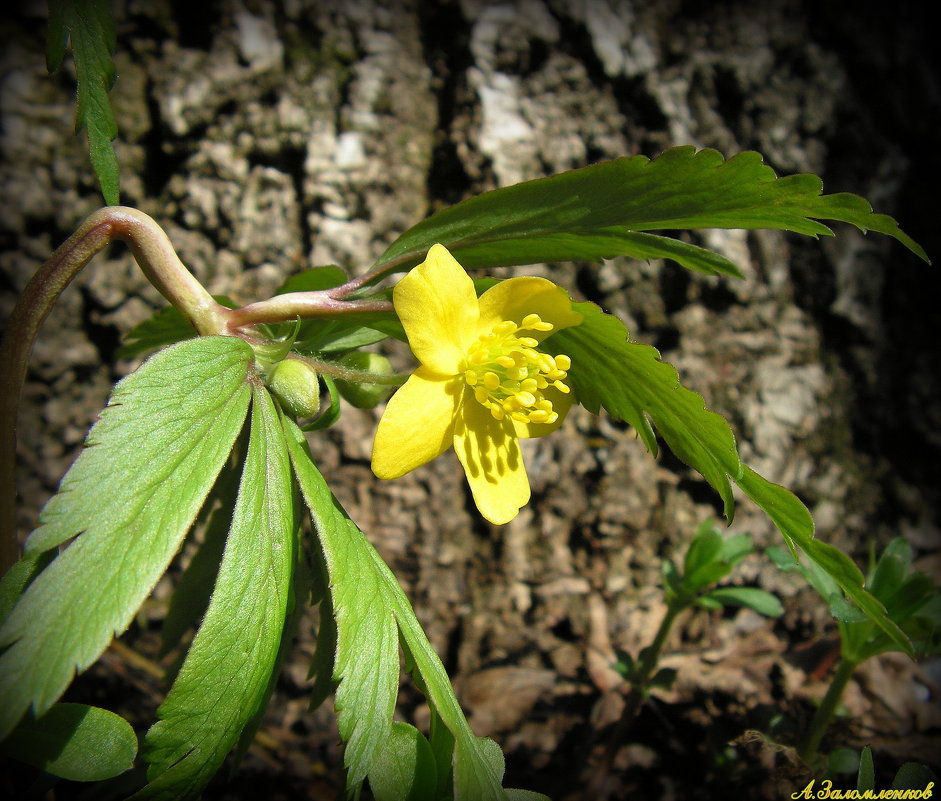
{"x":818,"y":727}
{"x":294,"y":305}
{"x":160,"y":264}
{"x":598,"y":786}
{"x":651,"y":654}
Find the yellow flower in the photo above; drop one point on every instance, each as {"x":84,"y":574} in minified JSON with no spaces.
{"x":482,"y":383}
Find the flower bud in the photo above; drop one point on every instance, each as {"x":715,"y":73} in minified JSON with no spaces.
{"x":295,"y":384}
{"x":364,"y":395}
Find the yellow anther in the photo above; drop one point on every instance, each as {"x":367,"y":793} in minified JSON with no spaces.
{"x":504,"y":328}
{"x":508,"y":375}
{"x":534,"y":322}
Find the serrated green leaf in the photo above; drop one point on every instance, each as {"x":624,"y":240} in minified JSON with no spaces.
{"x":758,"y":600}
{"x":632,"y":384}
{"x":478,"y":769}
{"x":191,"y":595}
{"x":596,"y":212}
{"x":368,"y":605}
{"x":844,"y":611}
{"x":90,"y":26}
{"x":405,"y":768}
{"x":367,"y":658}
{"x":299,"y":596}
{"x":76,"y":742}
{"x":132,"y":495}
{"x":796,"y":525}
{"x":19,"y":577}
{"x":166,"y":327}
{"x":225,"y":678}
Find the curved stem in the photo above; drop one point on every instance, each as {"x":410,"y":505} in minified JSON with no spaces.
{"x":294,"y":305}
{"x":159,"y":262}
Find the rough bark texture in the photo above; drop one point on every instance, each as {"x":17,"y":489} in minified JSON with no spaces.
{"x":269,"y":137}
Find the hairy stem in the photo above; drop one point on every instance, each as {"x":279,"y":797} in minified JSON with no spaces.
{"x":160,"y":264}
{"x":301,"y":305}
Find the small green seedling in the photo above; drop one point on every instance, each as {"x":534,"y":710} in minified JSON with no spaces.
{"x":911,"y":601}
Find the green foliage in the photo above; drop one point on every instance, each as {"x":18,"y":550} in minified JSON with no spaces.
{"x":910,"y":599}
{"x":173,"y":444}
{"x":630,"y":382}
{"x":373,"y":618}
{"x":225,"y":679}
{"x":166,"y":327}
{"x":132,"y":495}
{"x":603,"y":211}
{"x":74,"y":741}
{"x":405,"y":769}
{"x":89,"y":25}
{"x":709,"y":559}
{"x":910,"y":776}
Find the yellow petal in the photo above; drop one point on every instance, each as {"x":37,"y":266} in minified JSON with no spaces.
{"x":514,"y":298}
{"x":492,"y":462}
{"x":561,"y":403}
{"x":437,"y":305}
{"x":417,"y":425}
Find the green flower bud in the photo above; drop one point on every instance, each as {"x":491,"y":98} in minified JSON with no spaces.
{"x":295,"y":384}
{"x":364,"y":395}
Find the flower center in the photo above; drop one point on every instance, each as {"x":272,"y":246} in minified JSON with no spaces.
{"x":508,"y":374}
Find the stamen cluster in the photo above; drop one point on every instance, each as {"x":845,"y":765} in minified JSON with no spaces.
{"x":508,"y":374}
